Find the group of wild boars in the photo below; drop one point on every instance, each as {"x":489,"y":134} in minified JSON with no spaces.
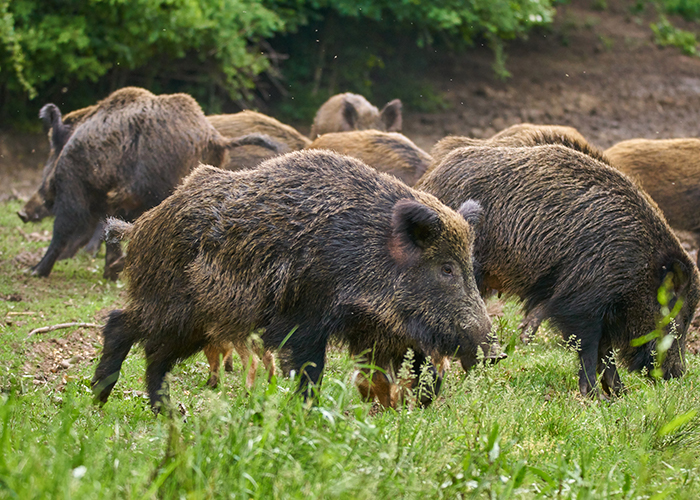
{"x":247,"y":122}
{"x":125,"y":156}
{"x":308,"y":247}
{"x":345,"y":112}
{"x":581,"y":244}
{"x":669,"y":170}
{"x":388,"y":152}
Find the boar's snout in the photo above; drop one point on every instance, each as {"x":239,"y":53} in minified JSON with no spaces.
{"x":23,"y":215}
{"x":34,"y":210}
{"x":484,"y":340}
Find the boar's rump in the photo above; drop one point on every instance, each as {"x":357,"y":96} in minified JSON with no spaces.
{"x":247,"y":122}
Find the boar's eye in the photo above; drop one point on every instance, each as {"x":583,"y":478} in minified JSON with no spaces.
{"x":447,"y":270}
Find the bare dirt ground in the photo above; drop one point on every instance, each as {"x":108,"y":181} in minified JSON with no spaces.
{"x":598,"y":71}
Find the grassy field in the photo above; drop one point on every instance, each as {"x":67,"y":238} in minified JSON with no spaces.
{"x":515,"y":430}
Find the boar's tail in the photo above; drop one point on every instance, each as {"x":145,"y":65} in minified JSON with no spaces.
{"x":60,"y":132}
{"x":260,"y":140}
{"x":117,"y":230}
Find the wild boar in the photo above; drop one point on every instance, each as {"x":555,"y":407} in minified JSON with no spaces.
{"x":669,"y":170}
{"x":247,"y":122}
{"x":309,"y":247}
{"x":388,"y":152}
{"x":124,"y":157}
{"x":345,"y":112}
{"x":522,"y":134}
{"x":580,"y":243}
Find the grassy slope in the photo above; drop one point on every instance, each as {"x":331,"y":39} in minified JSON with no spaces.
{"x":518,"y":429}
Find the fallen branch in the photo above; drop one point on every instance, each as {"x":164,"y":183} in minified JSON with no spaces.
{"x":45,"y":329}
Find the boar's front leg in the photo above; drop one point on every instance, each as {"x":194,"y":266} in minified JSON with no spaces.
{"x":588,"y":334}
{"x":68,"y":225}
{"x":308,"y":360}
{"x":610,"y":380}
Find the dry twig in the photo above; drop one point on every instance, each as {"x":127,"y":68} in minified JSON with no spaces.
{"x":51,"y":328}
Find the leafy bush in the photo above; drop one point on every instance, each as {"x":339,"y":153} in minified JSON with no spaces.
{"x":666,"y":34}
{"x":216,"y":49}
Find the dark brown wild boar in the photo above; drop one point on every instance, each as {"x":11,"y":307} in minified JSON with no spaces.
{"x":388,"y":152}
{"x":578,"y":241}
{"x":310,"y":246}
{"x":34,"y":210}
{"x":247,"y":122}
{"x":522,"y":134}
{"x":345,"y":112}
{"x":669,"y":170}
{"x":124,"y":157}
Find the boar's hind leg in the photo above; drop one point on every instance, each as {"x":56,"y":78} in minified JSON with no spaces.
{"x":114,"y":260}
{"x":118,"y":340}
{"x":158,"y":363}
{"x":610,"y":380}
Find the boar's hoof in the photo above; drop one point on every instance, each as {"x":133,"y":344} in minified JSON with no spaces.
{"x":213,"y":380}
{"x":492,"y":360}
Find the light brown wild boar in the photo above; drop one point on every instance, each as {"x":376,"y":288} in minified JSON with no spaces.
{"x":345,"y":112}
{"x":521,"y":134}
{"x":247,"y":122}
{"x":669,"y":170}
{"x":389,"y":152}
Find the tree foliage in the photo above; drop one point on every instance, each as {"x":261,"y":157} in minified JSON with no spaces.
{"x":48,"y":45}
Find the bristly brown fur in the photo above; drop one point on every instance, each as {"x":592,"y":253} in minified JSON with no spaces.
{"x":579,"y":243}
{"x":123,"y":156}
{"x":300,"y":245}
{"x":522,"y":134}
{"x":669,"y":170}
{"x":389,"y":152}
{"x":246,"y":122}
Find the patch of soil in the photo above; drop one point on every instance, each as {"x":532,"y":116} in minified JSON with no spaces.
{"x":598,"y":71}
{"x":58,"y":359}
{"x":55,"y":361}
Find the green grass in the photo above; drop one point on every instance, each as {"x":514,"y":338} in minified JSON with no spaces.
{"x":515,"y":430}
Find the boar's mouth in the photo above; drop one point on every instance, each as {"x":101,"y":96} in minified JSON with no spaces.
{"x":492,"y":354}
{"x":455,"y":343}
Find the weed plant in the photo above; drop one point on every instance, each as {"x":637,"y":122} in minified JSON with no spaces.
{"x":518,"y":429}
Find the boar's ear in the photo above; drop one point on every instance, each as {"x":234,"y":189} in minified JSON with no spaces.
{"x":391,"y":116}
{"x":472,"y":212}
{"x":60,"y":132}
{"x":350,"y":115}
{"x":413,"y":227}
{"x":677,"y":277}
